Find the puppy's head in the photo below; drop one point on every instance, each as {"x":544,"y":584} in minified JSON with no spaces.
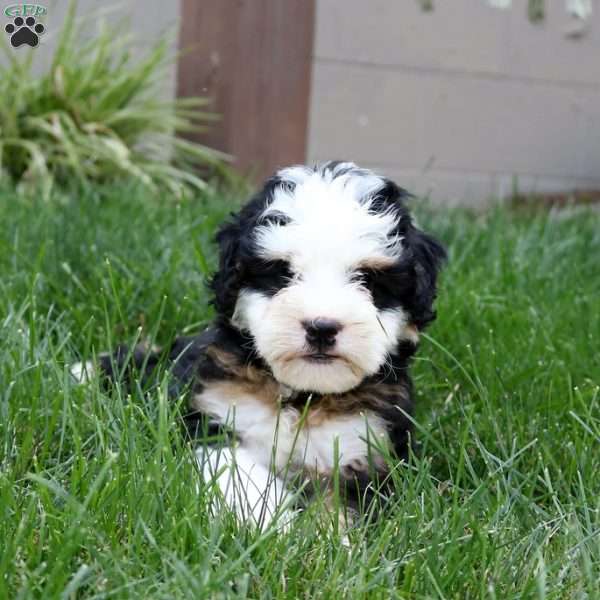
{"x":327,"y":273}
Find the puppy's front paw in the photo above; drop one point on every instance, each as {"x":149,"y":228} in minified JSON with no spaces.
{"x":82,"y":372}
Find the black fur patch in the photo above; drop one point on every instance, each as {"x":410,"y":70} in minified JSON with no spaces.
{"x":412,"y":282}
{"x":268,"y":276}
{"x":237,"y":252}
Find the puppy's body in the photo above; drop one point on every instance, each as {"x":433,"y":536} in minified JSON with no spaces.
{"x":323,"y":285}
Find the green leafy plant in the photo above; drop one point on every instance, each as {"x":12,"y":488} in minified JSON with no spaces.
{"x":96,"y":115}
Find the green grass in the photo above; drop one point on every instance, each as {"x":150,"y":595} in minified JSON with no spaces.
{"x":97,"y":493}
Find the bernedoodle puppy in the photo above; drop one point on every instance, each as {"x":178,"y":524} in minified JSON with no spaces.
{"x":301,"y":383}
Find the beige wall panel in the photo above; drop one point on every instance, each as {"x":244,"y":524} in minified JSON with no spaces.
{"x":545,"y":51}
{"x":451,"y":188}
{"x":475,"y":188}
{"x":590,"y":142}
{"x":460,"y":34}
{"x":395,"y":117}
{"x":462,"y":101}
{"x":506,"y":126}
{"x":364,"y":114}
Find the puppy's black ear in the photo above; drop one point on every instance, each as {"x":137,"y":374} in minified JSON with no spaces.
{"x":428,"y":256}
{"x":225,"y":283}
{"x":391,"y":196}
{"x":422,"y":262}
{"x":235,"y":241}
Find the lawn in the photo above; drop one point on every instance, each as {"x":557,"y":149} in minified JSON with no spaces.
{"x":97,"y":491}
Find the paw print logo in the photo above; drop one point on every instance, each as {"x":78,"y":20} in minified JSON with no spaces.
{"x":24,"y":31}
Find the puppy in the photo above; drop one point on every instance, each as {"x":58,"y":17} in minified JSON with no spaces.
{"x":302,"y":383}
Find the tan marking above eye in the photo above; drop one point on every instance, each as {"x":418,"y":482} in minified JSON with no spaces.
{"x":377,"y":263}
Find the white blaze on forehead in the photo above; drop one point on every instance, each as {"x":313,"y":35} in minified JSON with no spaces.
{"x":330,"y":220}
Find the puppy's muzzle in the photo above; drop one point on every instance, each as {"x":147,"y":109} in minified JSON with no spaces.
{"x":321,"y":333}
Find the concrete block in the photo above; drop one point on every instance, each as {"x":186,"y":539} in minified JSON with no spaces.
{"x":363,"y":114}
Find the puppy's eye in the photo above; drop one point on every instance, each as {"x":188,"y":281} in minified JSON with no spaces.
{"x":275,"y":218}
{"x":269,"y":276}
{"x":388,"y":287}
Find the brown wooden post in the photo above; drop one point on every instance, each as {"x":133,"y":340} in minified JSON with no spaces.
{"x":253,"y":59}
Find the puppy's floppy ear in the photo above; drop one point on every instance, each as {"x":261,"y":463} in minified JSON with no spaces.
{"x":235,"y":241}
{"x":428,"y":255}
{"x":422,"y":261}
{"x":225,"y":283}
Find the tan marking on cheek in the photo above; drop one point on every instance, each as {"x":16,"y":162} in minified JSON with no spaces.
{"x":412,"y":333}
{"x":287,"y":357}
{"x":356,"y":370}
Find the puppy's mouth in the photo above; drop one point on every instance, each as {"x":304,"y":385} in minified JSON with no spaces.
{"x":320,"y":357}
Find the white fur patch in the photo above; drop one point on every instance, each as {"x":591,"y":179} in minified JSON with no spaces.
{"x":283,"y":440}
{"x":247,"y":487}
{"x":331,"y":223}
{"x":82,"y":372}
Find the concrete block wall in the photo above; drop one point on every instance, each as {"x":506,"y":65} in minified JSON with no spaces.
{"x":461,"y":103}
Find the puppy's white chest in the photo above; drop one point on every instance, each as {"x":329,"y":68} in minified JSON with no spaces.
{"x":287,"y":439}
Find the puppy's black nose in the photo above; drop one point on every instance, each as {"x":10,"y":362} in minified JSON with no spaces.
{"x":321,"y":332}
